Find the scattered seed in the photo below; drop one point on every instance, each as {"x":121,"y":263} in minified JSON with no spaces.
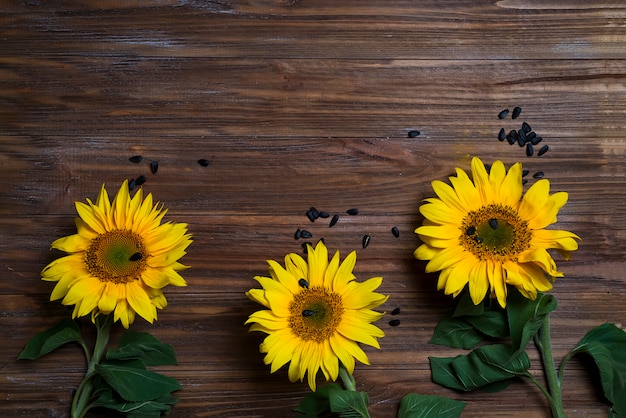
{"x":135,"y":257}
{"x":520,"y":141}
{"x":529,"y":149}
{"x":135,"y":159}
{"x":503,"y":114}
{"x":396,"y":311}
{"x":154,"y":167}
{"x":530,"y":136}
{"x":510,"y":139}
{"x":366,"y":240}
{"x":297,"y":234}
{"x":543,"y":150}
{"x":309,"y":215}
{"x":524,"y":181}
{"x":493,"y":223}
{"x":501,"y":134}
{"x":525,"y":173}
{"x":353,"y":211}
{"x":307,"y":312}
{"x":535,"y":140}
{"x":203,"y":162}
{"x":516,"y":112}
{"x":140,"y":180}
{"x":526,"y":127}
{"x":314,"y":212}
{"x":305,"y":234}
{"x":513,"y":134}
{"x":324,"y":215}
{"x":470,"y":230}
{"x":538,"y":175}
{"x":522,"y":135}
{"x":303,"y":283}
{"x":395,"y":231}
{"x":394,"y":322}
{"x":413,"y":134}
{"x":131,"y":184}
{"x":333,"y":221}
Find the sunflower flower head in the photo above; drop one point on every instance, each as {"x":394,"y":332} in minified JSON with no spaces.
{"x":481,"y":233}
{"x":316,"y":314}
{"x":120,"y":259}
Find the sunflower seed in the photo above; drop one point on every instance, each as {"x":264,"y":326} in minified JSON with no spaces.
{"x":303,"y":283}
{"x":493,"y":223}
{"x":395,"y":311}
{"x":324,"y":215}
{"x":524,"y":181}
{"x":135,"y":159}
{"x":297,"y":234}
{"x":529,"y":150}
{"x":530,"y":136}
{"x":525,"y":173}
{"x":413,"y":134}
{"x":135,"y":257}
{"x":394,"y":322}
{"x":537,"y":139}
{"x":310,"y":215}
{"x":366,"y":240}
{"x":307,"y":312}
{"x":314,"y":212}
{"x":395,"y":231}
{"x":131,"y":184}
{"x":538,"y":175}
{"x":501,"y":134}
{"x":526,"y":127}
{"x":154,"y":167}
{"x":503,"y":114}
{"x":140,"y":180}
{"x":516,"y":112}
{"x":543,"y":150}
{"x":203,"y":162}
{"x":353,"y":211}
{"x":305,"y":234}
{"x":333,"y":221}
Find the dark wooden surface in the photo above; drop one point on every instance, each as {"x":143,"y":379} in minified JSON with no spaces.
{"x":301,"y":103}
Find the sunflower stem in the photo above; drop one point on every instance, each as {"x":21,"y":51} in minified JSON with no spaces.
{"x":543,"y":343}
{"x":347,"y":379}
{"x":82,"y":401}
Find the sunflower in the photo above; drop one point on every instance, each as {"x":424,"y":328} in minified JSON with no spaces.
{"x":120,"y":259}
{"x":485,"y":235}
{"x":317,"y":313}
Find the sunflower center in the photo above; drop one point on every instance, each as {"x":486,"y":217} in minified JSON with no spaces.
{"x":495,"y":232}
{"x":116,"y":256}
{"x":315,"y":314}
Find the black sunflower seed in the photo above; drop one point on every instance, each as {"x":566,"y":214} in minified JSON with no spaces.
{"x":503,"y":114}
{"x":135,"y":159}
{"x":543,"y":150}
{"x":529,"y":149}
{"x":530,"y":136}
{"x":303,"y":283}
{"x":535,"y":140}
{"x":366,"y":240}
{"x":524,"y":181}
{"x":154,"y":167}
{"x":394,"y":322}
{"x":395,"y":311}
{"x":493,"y":223}
{"x":203,"y":162}
{"x":526,"y":127}
{"x":525,"y":173}
{"x":314,"y":212}
{"x":140,"y":180}
{"x":353,"y":211}
{"x":135,"y":257}
{"x":501,"y":134}
{"x":131,"y":184}
{"x":513,"y":134}
{"x":538,"y":175}
{"x":516,"y":112}
{"x":520,"y":141}
{"x":297,"y":234}
{"x":324,"y":215}
{"x":333,"y":221}
{"x":395,"y":231}
{"x":305,"y":234}
{"x":310,"y":215}
{"x":414,"y":134}
{"x":307,"y":312}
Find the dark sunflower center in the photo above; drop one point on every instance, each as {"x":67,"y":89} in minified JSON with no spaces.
{"x":315,"y":314}
{"x":116,"y":256}
{"x":495,"y":232}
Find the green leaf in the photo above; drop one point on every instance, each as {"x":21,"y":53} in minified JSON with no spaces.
{"x":349,"y":403}
{"x":64,"y":332}
{"x":135,"y":384}
{"x":143,"y":346}
{"x":316,"y":403}
{"x":455,"y":332}
{"x":606,"y":344}
{"x":465,"y":306}
{"x":493,"y":323}
{"x":481,"y":367}
{"x":526,"y":316}
{"x":414,"y":405}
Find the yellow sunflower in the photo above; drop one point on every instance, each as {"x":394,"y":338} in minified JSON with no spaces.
{"x":483,"y":234}
{"x":317,"y":312}
{"x":120,"y":259}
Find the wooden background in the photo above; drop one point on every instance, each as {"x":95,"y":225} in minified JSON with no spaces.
{"x":296,"y":104}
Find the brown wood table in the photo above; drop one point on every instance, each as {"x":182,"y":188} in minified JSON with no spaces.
{"x":299,"y":104}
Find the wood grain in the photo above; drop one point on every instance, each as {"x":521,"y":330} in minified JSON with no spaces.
{"x":296,"y":104}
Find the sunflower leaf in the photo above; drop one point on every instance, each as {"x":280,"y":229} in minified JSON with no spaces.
{"x":455,"y":332}
{"x":526,"y":316}
{"x":465,"y":306}
{"x":349,"y":403}
{"x":480,"y":368}
{"x":155,"y":408}
{"x":316,"y":403}
{"x":135,"y":384}
{"x":62,"y":333}
{"x":606,"y":344}
{"x":143,"y":346}
{"x":414,"y":405}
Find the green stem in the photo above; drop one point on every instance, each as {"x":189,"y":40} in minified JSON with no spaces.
{"x":348,"y":380}
{"x":82,"y":398}
{"x":542,"y":341}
